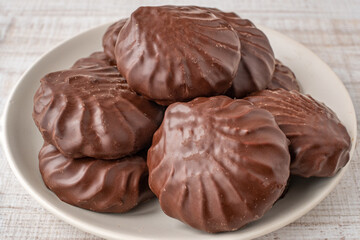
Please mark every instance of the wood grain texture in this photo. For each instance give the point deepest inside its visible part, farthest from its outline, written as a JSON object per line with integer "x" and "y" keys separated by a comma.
{"x": 330, "y": 28}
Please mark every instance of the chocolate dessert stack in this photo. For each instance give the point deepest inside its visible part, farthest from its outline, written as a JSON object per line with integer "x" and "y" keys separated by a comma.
{"x": 188, "y": 104}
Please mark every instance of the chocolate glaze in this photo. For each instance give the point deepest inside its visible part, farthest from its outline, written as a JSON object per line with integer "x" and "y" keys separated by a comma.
{"x": 92, "y": 112}
{"x": 320, "y": 144}
{"x": 94, "y": 61}
{"x": 257, "y": 57}
{"x": 110, "y": 37}
{"x": 218, "y": 163}
{"x": 170, "y": 53}
{"x": 284, "y": 78}
{"x": 94, "y": 184}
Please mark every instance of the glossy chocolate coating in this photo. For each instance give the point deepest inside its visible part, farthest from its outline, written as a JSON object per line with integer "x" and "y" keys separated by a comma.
{"x": 284, "y": 78}
{"x": 257, "y": 62}
{"x": 170, "y": 54}
{"x": 218, "y": 163}
{"x": 94, "y": 61}
{"x": 320, "y": 144}
{"x": 92, "y": 112}
{"x": 94, "y": 184}
{"x": 110, "y": 37}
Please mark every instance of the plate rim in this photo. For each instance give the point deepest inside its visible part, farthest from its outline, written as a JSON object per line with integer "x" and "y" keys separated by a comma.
{"x": 98, "y": 231}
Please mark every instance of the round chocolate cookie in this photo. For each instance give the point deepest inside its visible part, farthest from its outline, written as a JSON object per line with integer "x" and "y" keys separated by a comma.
{"x": 94, "y": 184}
{"x": 94, "y": 61}
{"x": 257, "y": 62}
{"x": 284, "y": 78}
{"x": 92, "y": 112}
{"x": 218, "y": 163}
{"x": 110, "y": 37}
{"x": 170, "y": 54}
{"x": 320, "y": 144}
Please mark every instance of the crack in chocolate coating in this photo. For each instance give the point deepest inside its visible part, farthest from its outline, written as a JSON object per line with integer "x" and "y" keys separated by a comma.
{"x": 110, "y": 37}
{"x": 257, "y": 62}
{"x": 320, "y": 144}
{"x": 91, "y": 111}
{"x": 218, "y": 163}
{"x": 283, "y": 78}
{"x": 170, "y": 54}
{"x": 94, "y": 184}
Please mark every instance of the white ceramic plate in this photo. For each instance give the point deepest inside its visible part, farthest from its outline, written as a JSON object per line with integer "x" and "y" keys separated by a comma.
{"x": 22, "y": 141}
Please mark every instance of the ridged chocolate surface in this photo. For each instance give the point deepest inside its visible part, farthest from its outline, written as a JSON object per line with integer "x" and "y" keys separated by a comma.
{"x": 170, "y": 53}
{"x": 110, "y": 37}
{"x": 94, "y": 61}
{"x": 284, "y": 78}
{"x": 218, "y": 163}
{"x": 92, "y": 112}
{"x": 257, "y": 62}
{"x": 95, "y": 184}
{"x": 320, "y": 144}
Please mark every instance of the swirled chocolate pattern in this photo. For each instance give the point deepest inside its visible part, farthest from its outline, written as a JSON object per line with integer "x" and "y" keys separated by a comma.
{"x": 94, "y": 184}
{"x": 284, "y": 78}
{"x": 170, "y": 53}
{"x": 94, "y": 61}
{"x": 320, "y": 144}
{"x": 91, "y": 111}
{"x": 257, "y": 62}
{"x": 218, "y": 163}
{"x": 110, "y": 37}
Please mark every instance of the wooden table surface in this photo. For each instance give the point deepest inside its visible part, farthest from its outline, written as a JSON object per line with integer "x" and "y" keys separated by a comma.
{"x": 329, "y": 28}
